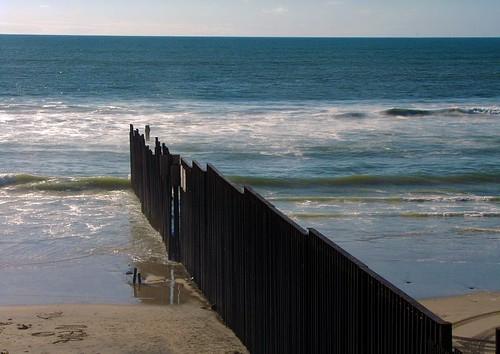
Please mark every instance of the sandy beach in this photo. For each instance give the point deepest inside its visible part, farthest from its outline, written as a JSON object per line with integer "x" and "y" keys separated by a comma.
{"x": 114, "y": 329}
{"x": 192, "y": 327}
{"x": 474, "y": 317}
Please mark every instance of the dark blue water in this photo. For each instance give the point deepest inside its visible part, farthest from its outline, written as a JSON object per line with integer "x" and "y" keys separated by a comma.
{"x": 391, "y": 147}
{"x": 256, "y": 69}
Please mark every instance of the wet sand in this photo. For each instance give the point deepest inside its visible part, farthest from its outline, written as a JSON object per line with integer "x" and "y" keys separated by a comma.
{"x": 169, "y": 316}
{"x": 474, "y": 317}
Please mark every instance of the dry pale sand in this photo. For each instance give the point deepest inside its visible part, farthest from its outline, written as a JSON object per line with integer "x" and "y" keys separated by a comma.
{"x": 474, "y": 317}
{"x": 114, "y": 329}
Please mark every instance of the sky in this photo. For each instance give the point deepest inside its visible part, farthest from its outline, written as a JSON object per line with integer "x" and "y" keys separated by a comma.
{"x": 330, "y": 18}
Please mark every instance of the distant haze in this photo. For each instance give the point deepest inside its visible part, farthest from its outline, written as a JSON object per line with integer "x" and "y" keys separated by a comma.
{"x": 252, "y": 17}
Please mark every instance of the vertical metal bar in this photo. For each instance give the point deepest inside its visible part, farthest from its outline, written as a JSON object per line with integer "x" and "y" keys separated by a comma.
{"x": 497, "y": 340}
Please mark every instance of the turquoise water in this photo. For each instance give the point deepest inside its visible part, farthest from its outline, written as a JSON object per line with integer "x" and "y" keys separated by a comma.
{"x": 391, "y": 147}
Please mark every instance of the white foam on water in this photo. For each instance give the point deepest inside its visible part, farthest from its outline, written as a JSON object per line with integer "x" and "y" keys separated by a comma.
{"x": 273, "y": 129}
{"x": 50, "y": 227}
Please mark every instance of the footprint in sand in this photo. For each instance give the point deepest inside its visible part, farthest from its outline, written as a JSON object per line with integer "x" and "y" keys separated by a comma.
{"x": 50, "y": 315}
{"x": 22, "y": 326}
{"x": 71, "y": 327}
{"x": 43, "y": 334}
{"x": 69, "y": 333}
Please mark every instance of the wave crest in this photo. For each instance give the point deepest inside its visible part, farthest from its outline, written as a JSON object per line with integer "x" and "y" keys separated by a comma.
{"x": 366, "y": 180}
{"x": 41, "y": 183}
{"x": 445, "y": 214}
{"x": 21, "y": 178}
{"x": 395, "y": 199}
{"x": 415, "y": 112}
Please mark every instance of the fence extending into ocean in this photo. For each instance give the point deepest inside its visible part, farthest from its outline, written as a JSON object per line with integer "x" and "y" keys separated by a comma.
{"x": 279, "y": 287}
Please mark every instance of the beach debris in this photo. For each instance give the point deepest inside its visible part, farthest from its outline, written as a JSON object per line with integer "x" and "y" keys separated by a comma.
{"x": 50, "y": 315}
{"x": 23, "y": 327}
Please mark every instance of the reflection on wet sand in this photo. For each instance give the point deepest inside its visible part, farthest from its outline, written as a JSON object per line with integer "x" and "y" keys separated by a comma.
{"x": 162, "y": 284}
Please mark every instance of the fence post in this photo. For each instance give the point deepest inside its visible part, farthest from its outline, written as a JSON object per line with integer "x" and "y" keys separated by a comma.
{"x": 447, "y": 337}
{"x": 173, "y": 244}
{"x": 132, "y": 161}
{"x": 497, "y": 340}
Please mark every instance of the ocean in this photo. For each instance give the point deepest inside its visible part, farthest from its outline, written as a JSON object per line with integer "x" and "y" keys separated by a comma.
{"x": 390, "y": 147}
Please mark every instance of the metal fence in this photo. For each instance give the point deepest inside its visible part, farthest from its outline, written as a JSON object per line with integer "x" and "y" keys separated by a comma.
{"x": 279, "y": 287}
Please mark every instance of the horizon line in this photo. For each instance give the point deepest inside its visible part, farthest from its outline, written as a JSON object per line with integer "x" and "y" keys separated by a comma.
{"x": 254, "y": 36}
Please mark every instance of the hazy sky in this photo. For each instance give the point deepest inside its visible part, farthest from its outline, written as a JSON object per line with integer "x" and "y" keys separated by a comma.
{"x": 253, "y": 17}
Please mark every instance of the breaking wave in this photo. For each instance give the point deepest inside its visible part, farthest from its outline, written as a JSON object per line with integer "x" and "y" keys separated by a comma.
{"x": 42, "y": 183}
{"x": 480, "y": 230}
{"x": 22, "y": 178}
{"x": 411, "y": 112}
